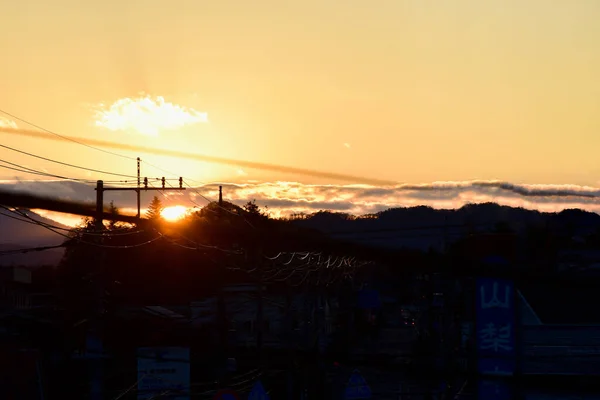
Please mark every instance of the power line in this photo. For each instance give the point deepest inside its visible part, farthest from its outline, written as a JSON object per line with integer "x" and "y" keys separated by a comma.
{"x": 99, "y": 149}
{"x": 81, "y": 240}
{"x": 219, "y": 205}
{"x": 68, "y": 164}
{"x": 27, "y": 170}
{"x": 198, "y": 246}
{"x": 65, "y": 137}
{"x": 28, "y": 200}
{"x": 33, "y": 221}
{"x": 95, "y": 144}
{"x": 109, "y": 234}
{"x": 33, "y": 171}
{"x": 185, "y": 182}
{"x": 210, "y": 201}
{"x": 29, "y": 250}
{"x": 249, "y": 164}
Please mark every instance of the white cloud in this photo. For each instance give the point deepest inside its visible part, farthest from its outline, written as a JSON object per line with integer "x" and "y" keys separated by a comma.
{"x": 7, "y": 123}
{"x": 146, "y": 115}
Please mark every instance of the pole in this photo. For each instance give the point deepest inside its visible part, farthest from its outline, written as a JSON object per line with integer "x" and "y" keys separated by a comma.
{"x": 222, "y": 315}
{"x": 290, "y": 341}
{"x": 519, "y": 350}
{"x": 97, "y": 384}
{"x": 99, "y": 205}
{"x": 259, "y": 309}
{"x": 38, "y": 368}
{"x": 138, "y": 188}
{"x": 220, "y": 210}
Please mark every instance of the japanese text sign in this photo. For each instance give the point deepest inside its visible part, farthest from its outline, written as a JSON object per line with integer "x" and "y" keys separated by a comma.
{"x": 495, "y": 323}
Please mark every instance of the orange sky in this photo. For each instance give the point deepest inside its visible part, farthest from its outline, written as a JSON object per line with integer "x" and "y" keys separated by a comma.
{"x": 410, "y": 91}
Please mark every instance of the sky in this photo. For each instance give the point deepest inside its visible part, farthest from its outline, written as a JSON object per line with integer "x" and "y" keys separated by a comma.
{"x": 413, "y": 91}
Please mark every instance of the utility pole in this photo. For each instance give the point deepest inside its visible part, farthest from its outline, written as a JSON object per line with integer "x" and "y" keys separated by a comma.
{"x": 260, "y": 323}
{"x": 97, "y": 384}
{"x": 138, "y": 188}
{"x": 99, "y": 205}
{"x": 222, "y": 317}
{"x": 220, "y": 210}
{"x": 97, "y": 367}
{"x": 222, "y": 323}
{"x": 259, "y": 306}
{"x": 290, "y": 341}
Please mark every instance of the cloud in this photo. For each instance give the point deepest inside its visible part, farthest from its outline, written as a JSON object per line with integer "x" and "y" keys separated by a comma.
{"x": 7, "y": 123}
{"x": 146, "y": 115}
{"x": 284, "y": 198}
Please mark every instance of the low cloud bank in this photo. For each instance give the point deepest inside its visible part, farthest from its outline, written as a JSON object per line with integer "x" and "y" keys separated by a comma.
{"x": 285, "y": 198}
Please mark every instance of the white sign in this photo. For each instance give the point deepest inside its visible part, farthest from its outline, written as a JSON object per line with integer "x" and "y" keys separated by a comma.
{"x": 493, "y": 300}
{"x": 496, "y": 337}
{"x": 164, "y": 370}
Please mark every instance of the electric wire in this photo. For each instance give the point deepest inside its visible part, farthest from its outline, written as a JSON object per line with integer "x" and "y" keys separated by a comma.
{"x": 33, "y": 221}
{"x": 27, "y": 170}
{"x": 115, "y": 154}
{"x": 30, "y": 249}
{"x": 65, "y": 137}
{"x": 67, "y": 164}
{"x": 197, "y": 245}
{"x": 76, "y": 238}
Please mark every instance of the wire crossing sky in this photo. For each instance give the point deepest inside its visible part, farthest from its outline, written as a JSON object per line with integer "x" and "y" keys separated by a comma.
{"x": 200, "y": 157}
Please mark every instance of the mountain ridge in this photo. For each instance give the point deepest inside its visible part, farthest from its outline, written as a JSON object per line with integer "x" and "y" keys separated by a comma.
{"x": 17, "y": 234}
{"x": 423, "y": 227}
{"x": 420, "y": 228}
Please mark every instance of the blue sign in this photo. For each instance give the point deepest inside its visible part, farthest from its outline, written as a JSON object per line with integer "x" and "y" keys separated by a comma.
{"x": 258, "y": 392}
{"x": 357, "y": 388}
{"x": 495, "y": 323}
{"x": 493, "y": 390}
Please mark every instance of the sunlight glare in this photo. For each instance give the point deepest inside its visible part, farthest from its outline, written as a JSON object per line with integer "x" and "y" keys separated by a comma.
{"x": 174, "y": 213}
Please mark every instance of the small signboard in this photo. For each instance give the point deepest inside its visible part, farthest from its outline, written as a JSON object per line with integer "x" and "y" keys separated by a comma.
{"x": 164, "y": 370}
{"x": 258, "y": 392}
{"x": 495, "y": 323}
{"x": 357, "y": 388}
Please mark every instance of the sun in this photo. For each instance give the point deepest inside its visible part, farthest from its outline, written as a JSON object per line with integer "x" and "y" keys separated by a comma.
{"x": 174, "y": 213}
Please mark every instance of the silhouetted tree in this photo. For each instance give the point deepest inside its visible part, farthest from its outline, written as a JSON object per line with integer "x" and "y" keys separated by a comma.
{"x": 253, "y": 209}
{"x": 154, "y": 209}
{"x": 112, "y": 224}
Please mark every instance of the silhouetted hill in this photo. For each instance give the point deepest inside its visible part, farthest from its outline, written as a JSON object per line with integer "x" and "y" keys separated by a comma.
{"x": 15, "y": 235}
{"x": 424, "y": 227}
